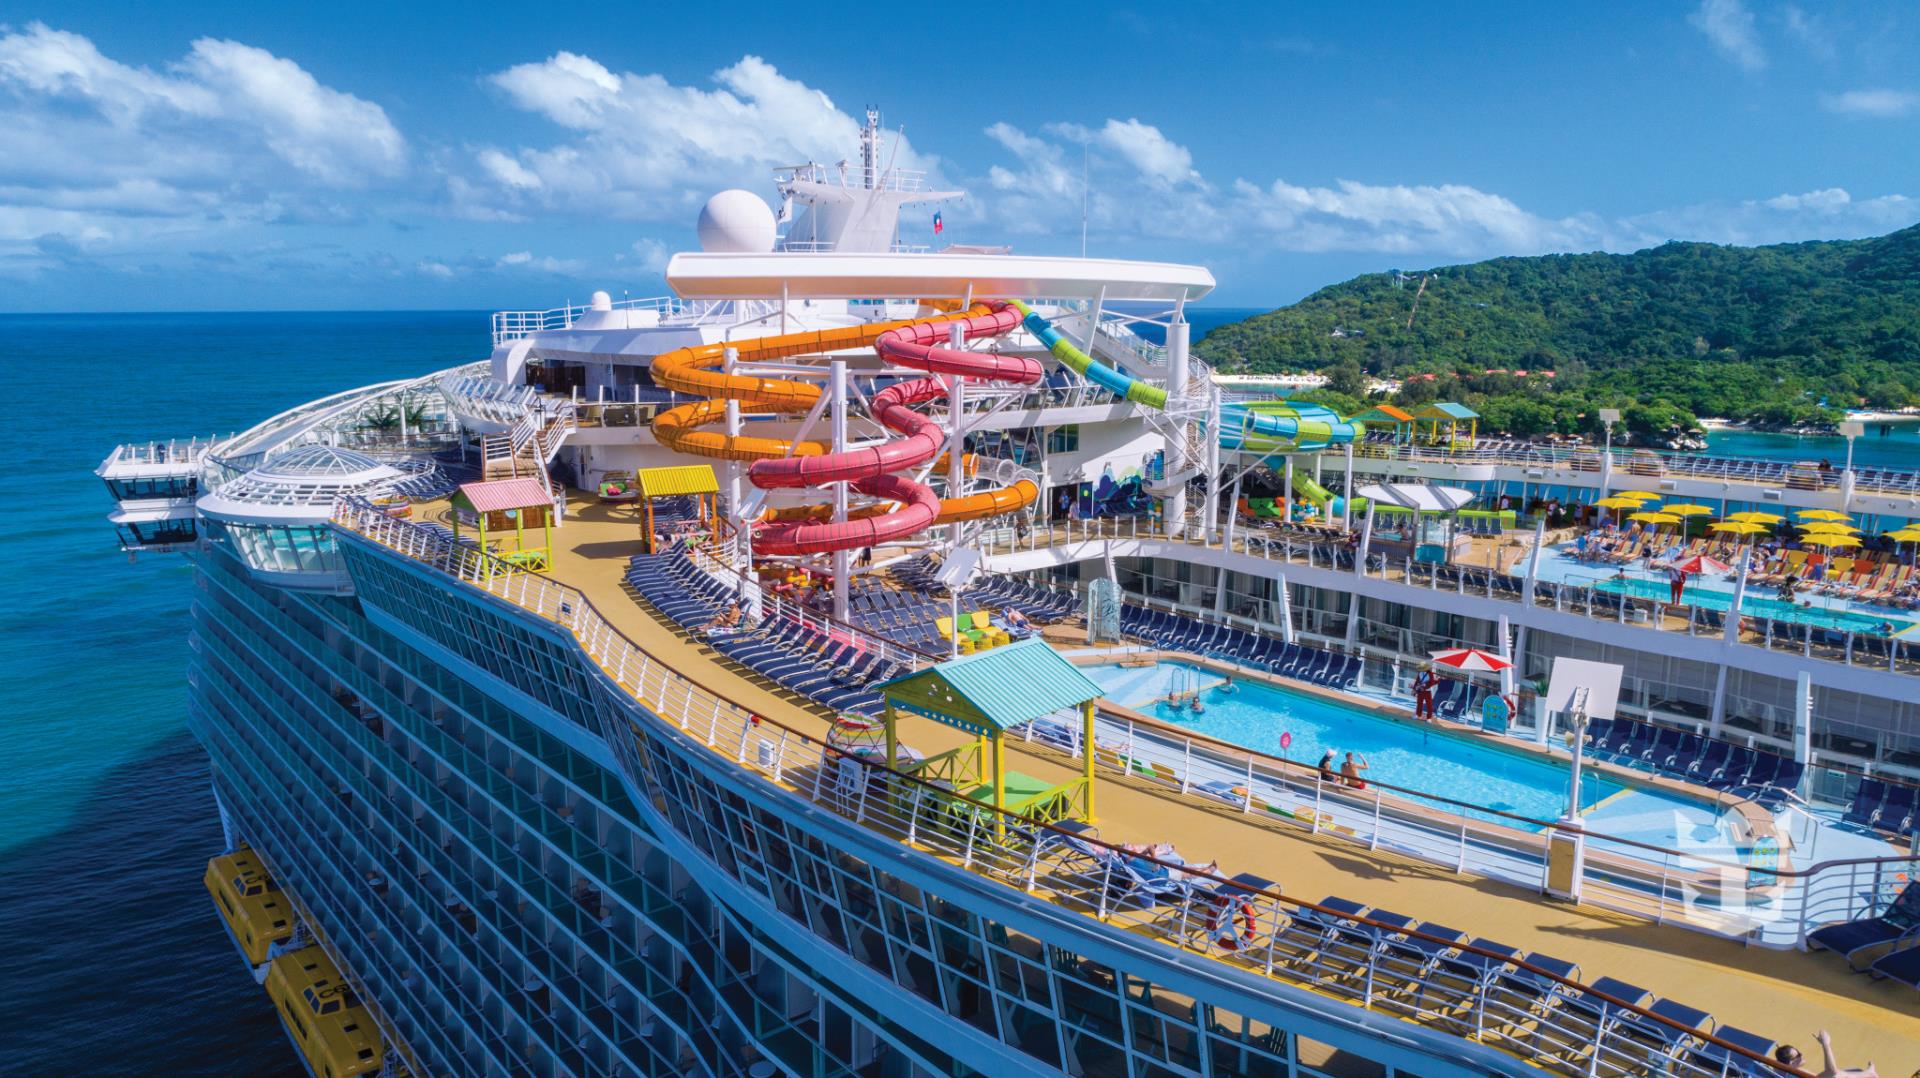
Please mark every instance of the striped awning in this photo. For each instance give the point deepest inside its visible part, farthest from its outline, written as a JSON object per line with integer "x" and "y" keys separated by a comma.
{"x": 679, "y": 479}
{"x": 499, "y": 495}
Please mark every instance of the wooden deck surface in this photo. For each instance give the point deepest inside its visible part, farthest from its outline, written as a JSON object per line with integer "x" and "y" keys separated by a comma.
{"x": 1780, "y": 993}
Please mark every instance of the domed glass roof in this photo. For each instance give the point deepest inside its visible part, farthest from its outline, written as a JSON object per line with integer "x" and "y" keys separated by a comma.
{"x": 299, "y": 485}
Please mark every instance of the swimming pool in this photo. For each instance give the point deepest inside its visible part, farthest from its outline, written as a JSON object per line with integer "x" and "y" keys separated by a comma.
{"x": 1257, "y": 716}
{"x": 1824, "y": 617}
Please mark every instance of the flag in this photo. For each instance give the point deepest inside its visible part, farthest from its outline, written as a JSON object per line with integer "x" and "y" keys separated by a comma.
{"x": 937, "y": 225}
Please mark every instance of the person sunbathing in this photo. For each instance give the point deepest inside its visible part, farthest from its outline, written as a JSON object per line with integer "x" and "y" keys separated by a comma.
{"x": 1830, "y": 1068}
{"x": 727, "y": 621}
{"x": 1016, "y": 620}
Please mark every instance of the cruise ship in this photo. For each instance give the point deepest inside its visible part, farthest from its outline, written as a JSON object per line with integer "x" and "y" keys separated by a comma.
{"x": 870, "y": 660}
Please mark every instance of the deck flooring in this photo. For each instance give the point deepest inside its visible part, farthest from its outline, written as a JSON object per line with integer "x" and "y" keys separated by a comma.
{"x": 1784, "y": 994}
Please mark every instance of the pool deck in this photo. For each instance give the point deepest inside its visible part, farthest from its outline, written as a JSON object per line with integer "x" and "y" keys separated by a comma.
{"x": 1782, "y": 993}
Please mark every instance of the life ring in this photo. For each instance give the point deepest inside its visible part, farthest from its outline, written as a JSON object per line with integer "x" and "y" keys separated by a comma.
{"x": 1221, "y": 926}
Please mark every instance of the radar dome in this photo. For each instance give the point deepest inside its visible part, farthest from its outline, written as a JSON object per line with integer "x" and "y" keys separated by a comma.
{"x": 736, "y": 222}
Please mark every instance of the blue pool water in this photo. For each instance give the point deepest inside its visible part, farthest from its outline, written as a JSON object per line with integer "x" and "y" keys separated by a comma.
{"x": 1405, "y": 754}
{"x": 1824, "y": 617}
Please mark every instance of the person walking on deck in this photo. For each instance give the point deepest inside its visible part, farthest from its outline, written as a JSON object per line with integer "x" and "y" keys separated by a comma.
{"x": 1424, "y": 684}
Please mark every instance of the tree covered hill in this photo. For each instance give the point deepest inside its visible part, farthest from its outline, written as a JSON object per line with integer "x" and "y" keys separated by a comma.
{"x": 1781, "y": 334}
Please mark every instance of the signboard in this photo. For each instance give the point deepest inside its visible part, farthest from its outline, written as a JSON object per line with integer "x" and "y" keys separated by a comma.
{"x": 1494, "y": 714}
{"x": 1601, "y": 682}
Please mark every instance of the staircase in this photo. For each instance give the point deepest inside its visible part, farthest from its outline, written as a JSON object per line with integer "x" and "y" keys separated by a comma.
{"x": 526, "y": 449}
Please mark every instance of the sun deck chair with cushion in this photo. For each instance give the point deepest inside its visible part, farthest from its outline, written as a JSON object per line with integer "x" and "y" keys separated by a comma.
{"x": 1234, "y": 914}
{"x": 1664, "y": 1042}
{"x": 1331, "y": 932}
{"x": 1900, "y": 923}
{"x": 1901, "y": 965}
{"x": 1714, "y": 1060}
{"x": 981, "y": 622}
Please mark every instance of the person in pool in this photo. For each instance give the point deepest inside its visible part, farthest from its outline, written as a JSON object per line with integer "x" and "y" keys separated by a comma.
{"x": 1227, "y": 685}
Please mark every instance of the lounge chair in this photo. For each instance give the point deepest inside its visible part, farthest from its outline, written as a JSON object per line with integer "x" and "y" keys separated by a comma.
{"x": 1902, "y": 966}
{"x": 1714, "y": 1060}
{"x": 1899, "y": 924}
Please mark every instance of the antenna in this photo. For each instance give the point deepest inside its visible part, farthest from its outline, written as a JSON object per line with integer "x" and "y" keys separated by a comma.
{"x": 1085, "y": 155}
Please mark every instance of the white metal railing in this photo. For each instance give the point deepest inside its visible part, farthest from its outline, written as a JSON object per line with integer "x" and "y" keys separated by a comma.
{"x": 1368, "y": 958}
{"x": 857, "y": 177}
{"x": 671, "y": 310}
{"x": 1846, "y": 646}
{"x": 147, "y": 456}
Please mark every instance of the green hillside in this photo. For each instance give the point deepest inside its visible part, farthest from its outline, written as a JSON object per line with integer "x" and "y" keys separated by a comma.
{"x": 1763, "y": 334}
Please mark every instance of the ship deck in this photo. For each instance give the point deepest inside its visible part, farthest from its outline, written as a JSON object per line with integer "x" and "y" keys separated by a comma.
{"x": 1782, "y": 993}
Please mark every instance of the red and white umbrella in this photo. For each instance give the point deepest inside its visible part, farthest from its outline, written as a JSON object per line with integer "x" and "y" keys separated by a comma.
{"x": 1470, "y": 659}
{"x": 1700, "y": 563}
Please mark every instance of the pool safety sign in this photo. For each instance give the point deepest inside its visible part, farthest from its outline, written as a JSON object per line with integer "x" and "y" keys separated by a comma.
{"x": 1495, "y": 714}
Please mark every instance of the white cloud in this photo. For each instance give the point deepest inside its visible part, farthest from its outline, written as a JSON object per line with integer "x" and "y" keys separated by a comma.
{"x": 651, "y": 255}
{"x": 116, "y": 157}
{"x": 1829, "y": 213}
{"x": 640, "y": 147}
{"x": 1876, "y": 103}
{"x": 1143, "y": 185}
{"x": 434, "y": 269}
{"x": 1730, "y": 28}
{"x": 1810, "y": 32}
{"x": 527, "y": 261}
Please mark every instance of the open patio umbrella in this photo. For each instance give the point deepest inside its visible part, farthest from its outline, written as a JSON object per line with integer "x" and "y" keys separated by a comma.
{"x": 1700, "y": 563}
{"x": 1643, "y": 495}
{"x": 1829, "y": 527}
{"x": 1653, "y": 518}
{"x": 1754, "y": 516}
{"x": 1908, "y": 534}
{"x": 1823, "y": 514}
{"x": 1737, "y": 527}
{"x": 1470, "y": 659}
{"x": 1688, "y": 509}
{"x": 1829, "y": 539}
{"x": 1620, "y": 501}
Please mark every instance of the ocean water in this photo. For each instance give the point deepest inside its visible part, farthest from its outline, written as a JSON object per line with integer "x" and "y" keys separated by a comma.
{"x": 113, "y": 960}
{"x": 1898, "y": 448}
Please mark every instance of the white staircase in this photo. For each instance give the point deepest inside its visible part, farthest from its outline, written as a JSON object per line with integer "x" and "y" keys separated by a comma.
{"x": 530, "y": 445}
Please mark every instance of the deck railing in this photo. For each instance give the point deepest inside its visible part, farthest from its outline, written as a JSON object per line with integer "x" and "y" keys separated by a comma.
{"x": 1846, "y": 646}
{"x": 1556, "y": 1020}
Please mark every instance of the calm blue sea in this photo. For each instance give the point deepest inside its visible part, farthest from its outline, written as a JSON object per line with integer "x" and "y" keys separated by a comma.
{"x": 112, "y": 960}
{"x": 1899, "y": 447}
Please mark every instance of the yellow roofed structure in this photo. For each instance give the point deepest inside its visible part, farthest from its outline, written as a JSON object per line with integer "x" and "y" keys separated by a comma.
{"x": 675, "y": 481}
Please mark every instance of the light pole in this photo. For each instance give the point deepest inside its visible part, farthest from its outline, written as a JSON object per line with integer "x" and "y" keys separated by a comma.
{"x": 1608, "y": 417}
{"x": 1849, "y": 429}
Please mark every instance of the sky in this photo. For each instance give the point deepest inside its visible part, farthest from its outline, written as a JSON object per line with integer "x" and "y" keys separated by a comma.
{"x": 247, "y": 156}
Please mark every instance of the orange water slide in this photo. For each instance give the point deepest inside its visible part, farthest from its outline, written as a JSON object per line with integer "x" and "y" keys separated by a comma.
{"x": 695, "y": 370}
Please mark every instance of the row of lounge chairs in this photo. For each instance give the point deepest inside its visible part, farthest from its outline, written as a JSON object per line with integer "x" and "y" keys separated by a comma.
{"x": 1338, "y": 944}
{"x": 1766, "y": 777}
{"x": 827, "y": 669}
{"x": 1032, "y": 601}
{"x": 906, "y": 617}
{"x": 1879, "y": 805}
{"x": 1862, "y": 579}
{"x": 1177, "y": 633}
{"x": 1889, "y": 942}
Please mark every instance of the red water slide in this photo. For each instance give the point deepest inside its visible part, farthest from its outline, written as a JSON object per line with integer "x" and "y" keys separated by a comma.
{"x": 870, "y": 468}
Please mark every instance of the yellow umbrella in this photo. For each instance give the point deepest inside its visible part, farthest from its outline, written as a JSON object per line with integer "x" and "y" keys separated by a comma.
{"x": 1639, "y": 495}
{"x": 1688, "y": 509}
{"x": 1822, "y": 514}
{"x": 1737, "y": 527}
{"x": 1754, "y": 517}
{"x": 1830, "y": 540}
{"x": 1653, "y": 518}
{"x": 1829, "y": 527}
{"x": 1908, "y": 534}
{"x": 1617, "y": 502}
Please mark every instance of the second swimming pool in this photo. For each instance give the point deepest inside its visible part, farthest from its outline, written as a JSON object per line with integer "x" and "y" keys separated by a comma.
{"x": 1261, "y": 717}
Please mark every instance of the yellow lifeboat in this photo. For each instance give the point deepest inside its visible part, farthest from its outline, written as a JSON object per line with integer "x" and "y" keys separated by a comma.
{"x": 333, "y": 1031}
{"x": 250, "y": 902}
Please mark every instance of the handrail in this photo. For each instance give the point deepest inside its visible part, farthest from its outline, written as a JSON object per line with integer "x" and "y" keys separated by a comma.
{"x": 982, "y": 854}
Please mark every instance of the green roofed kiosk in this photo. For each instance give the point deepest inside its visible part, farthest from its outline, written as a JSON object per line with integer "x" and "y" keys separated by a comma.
{"x": 987, "y": 694}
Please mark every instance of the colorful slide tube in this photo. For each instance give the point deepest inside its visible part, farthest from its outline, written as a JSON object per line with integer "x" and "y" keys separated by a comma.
{"x": 1273, "y": 426}
{"x": 1331, "y": 505}
{"x": 777, "y": 464}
